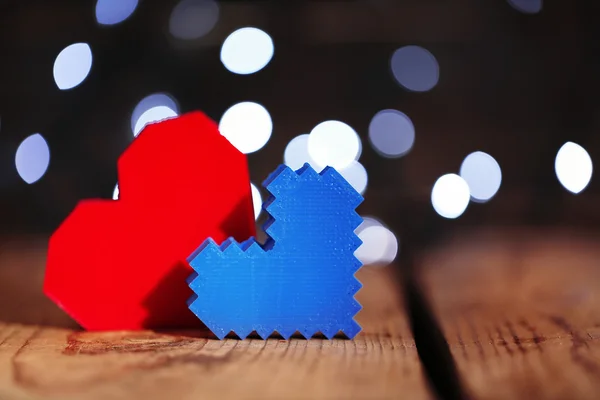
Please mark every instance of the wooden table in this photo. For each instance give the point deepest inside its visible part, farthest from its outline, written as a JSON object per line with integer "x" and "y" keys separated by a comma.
{"x": 520, "y": 311}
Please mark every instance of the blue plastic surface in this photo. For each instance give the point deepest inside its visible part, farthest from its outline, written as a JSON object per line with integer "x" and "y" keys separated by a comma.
{"x": 301, "y": 279}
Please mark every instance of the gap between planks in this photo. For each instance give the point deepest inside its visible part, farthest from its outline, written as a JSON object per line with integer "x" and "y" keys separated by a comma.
{"x": 520, "y": 310}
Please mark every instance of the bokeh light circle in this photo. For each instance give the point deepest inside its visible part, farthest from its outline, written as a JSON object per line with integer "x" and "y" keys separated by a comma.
{"x": 112, "y": 12}
{"x": 526, "y": 6}
{"x": 573, "y": 167}
{"x": 415, "y": 68}
{"x": 380, "y": 245}
{"x": 356, "y": 175}
{"x": 152, "y": 108}
{"x": 334, "y": 143}
{"x": 32, "y": 158}
{"x": 247, "y": 125}
{"x": 450, "y": 196}
{"x": 391, "y": 133}
{"x": 483, "y": 175}
{"x": 256, "y": 200}
{"x": 247, "y": 50}
{"x": 72, "y": 65}
{"x": 368, "y": 221}
{"x": 296, "y": 152}
{"x": 153, "y": 115}
{"x": 192, "y": 19}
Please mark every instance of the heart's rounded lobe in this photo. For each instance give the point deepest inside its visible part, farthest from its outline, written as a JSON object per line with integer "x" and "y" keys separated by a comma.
{"x": 122, "y": 264}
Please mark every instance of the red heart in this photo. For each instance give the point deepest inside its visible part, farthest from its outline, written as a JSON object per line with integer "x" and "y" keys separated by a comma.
{"x": 121, "y": 264}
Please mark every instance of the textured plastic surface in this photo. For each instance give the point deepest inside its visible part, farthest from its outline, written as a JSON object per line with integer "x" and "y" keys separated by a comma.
{"x": 301, "y": 279}
{"x": 122, "y": 264}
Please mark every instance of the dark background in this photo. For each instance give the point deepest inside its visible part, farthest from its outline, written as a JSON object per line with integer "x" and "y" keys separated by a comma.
{"x": 514, "y": 85}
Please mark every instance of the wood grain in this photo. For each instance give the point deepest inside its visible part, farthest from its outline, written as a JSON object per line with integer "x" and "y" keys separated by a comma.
{"x": 22, "y": 264}
{"x": 60, "y": 364}
{"x": 521, "y": 312}
{"x": 43, "y": 362}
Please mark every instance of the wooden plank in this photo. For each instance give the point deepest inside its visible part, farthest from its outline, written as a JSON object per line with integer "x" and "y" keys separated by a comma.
{"x": 58, "y": 363}
{"x": 521, "y": 312}
{"x": 22, "y": 264}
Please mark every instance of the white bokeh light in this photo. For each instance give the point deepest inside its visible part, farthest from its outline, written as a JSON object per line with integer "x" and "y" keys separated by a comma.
{"x": 247, "y": 50}
{"x": 32, "y": 158}
{"x": 380, "y": 245}
{"x": 256, "y": 200}
{"x": 526, "y": 6}
{"x": 391, "y": 133}
{"x": 296, "y": 154}
{"x": 111, "y": 12}
{"x": 152, "y": 108}
{"x": 192, "y": 19}
{"x": 356, "y": 175}
{"x": 247, "y": 126}
{"x": 72, "y": 65}
{"x": 415, "y": 68}
{"x": 483, "y": 175}
{"x": 116, "y": 192}
{"x": 450, "y": 196}
{"x": 334, "y": 144}
{"x": 155, "y": 114}
{"x": 573, "y": 167}
{"x": 368, "y": 221}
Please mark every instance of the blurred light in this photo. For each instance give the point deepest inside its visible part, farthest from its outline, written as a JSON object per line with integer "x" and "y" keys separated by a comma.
{"x": 155, "y": 114}
{"x": 450, "y": 196}
{"x": 391, "y": 133}
{"x": 334, "y": 144}
{"x": 246, "y": 51}
{"x": 192, "y": 19}
{"x": 247, "y": 126}
{"x": 526, "y": 6}
{"x": 367, "y": 221}
{"x": 111, "y": 12}
{"x": 296, "y": 154}
{"x": 116, "y": 192}
{"x": 32, "y": 158}
{"x": 415, "y": 68}
{"x": 72, "y": 65}
{"x": 256, "y": 200}
{"x": 356, "y": 175}
{"x": 573, "y": 166}
{"x": 483, "y": 175}
{"x": 152, "y": 108}
{"x": 379, "y": 246}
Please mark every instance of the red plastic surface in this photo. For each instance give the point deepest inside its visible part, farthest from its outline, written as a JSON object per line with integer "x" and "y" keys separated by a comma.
{"x": 122, "y": 264}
